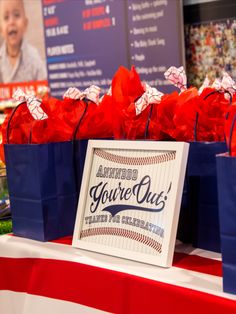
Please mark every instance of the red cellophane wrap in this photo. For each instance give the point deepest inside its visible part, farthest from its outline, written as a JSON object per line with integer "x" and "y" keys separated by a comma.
{"x": 135, "y": 126}
{"x": 165, "y": 114}
{"x": 126, "y": 89}
{"x": 212, "y": 108}
{"x": 94, "y": 120}
{"x": 97, "y": 121}
{"x": 19, "y": 128}
{"x": 177, "y": 114}
{"x": 67, "y": 110}
{"x": 144, "y": 125}
{"x": 185, "y": 115}
{"x": 231, "y": 114}
{"x": 63, "y": 116}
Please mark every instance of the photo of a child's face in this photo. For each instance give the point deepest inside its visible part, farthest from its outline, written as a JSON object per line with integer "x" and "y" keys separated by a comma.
{"x": 22, "y": 46}
{"x": 13, "y": 22}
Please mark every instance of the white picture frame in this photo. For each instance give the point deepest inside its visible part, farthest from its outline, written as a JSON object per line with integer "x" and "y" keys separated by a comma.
{"x": 130, "y": 199}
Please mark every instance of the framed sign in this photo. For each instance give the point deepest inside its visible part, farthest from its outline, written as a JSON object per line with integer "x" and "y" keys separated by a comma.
{"x": 130, "y": 199}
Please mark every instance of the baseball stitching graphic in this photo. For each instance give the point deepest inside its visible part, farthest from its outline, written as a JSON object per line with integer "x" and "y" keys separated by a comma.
{"x": 122, "y": 233}
{"x": 136, "y": 160}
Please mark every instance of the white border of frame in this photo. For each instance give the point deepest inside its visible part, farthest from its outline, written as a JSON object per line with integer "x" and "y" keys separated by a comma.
{"x": 172, "y": 214}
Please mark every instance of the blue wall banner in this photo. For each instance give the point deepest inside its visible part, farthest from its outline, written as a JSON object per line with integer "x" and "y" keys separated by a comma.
{"x": 87, "y": 40}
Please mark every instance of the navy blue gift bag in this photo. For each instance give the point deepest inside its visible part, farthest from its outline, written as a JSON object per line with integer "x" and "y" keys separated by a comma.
{"x": 42, "y": 189}
{"x": 226, "y": 175}
{"x": 226, "y": 172}
{"x": 44, "y": 182}
{"x": 184, "y": 231}
{"x": 199, "y": 213}
{"x": 202, "y": 194}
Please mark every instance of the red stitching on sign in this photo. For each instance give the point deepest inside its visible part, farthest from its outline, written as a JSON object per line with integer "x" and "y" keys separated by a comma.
{"x": 135, "y": 160}
{"x": 122, "y": 233}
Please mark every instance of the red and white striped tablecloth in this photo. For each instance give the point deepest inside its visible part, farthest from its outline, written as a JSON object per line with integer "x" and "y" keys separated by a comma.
{"x": 53, "y": 277}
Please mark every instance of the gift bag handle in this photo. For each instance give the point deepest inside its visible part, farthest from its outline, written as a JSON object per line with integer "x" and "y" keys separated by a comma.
{"x": 197, "y": 113}
{"x": 80, "y": 120}
{"x": 74, "y": 139}
{"x": 30, "y": 135}
{"x": 9, "y": 121}
{"x": 148, "y": 122}
{"x": 231, "y": 135}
